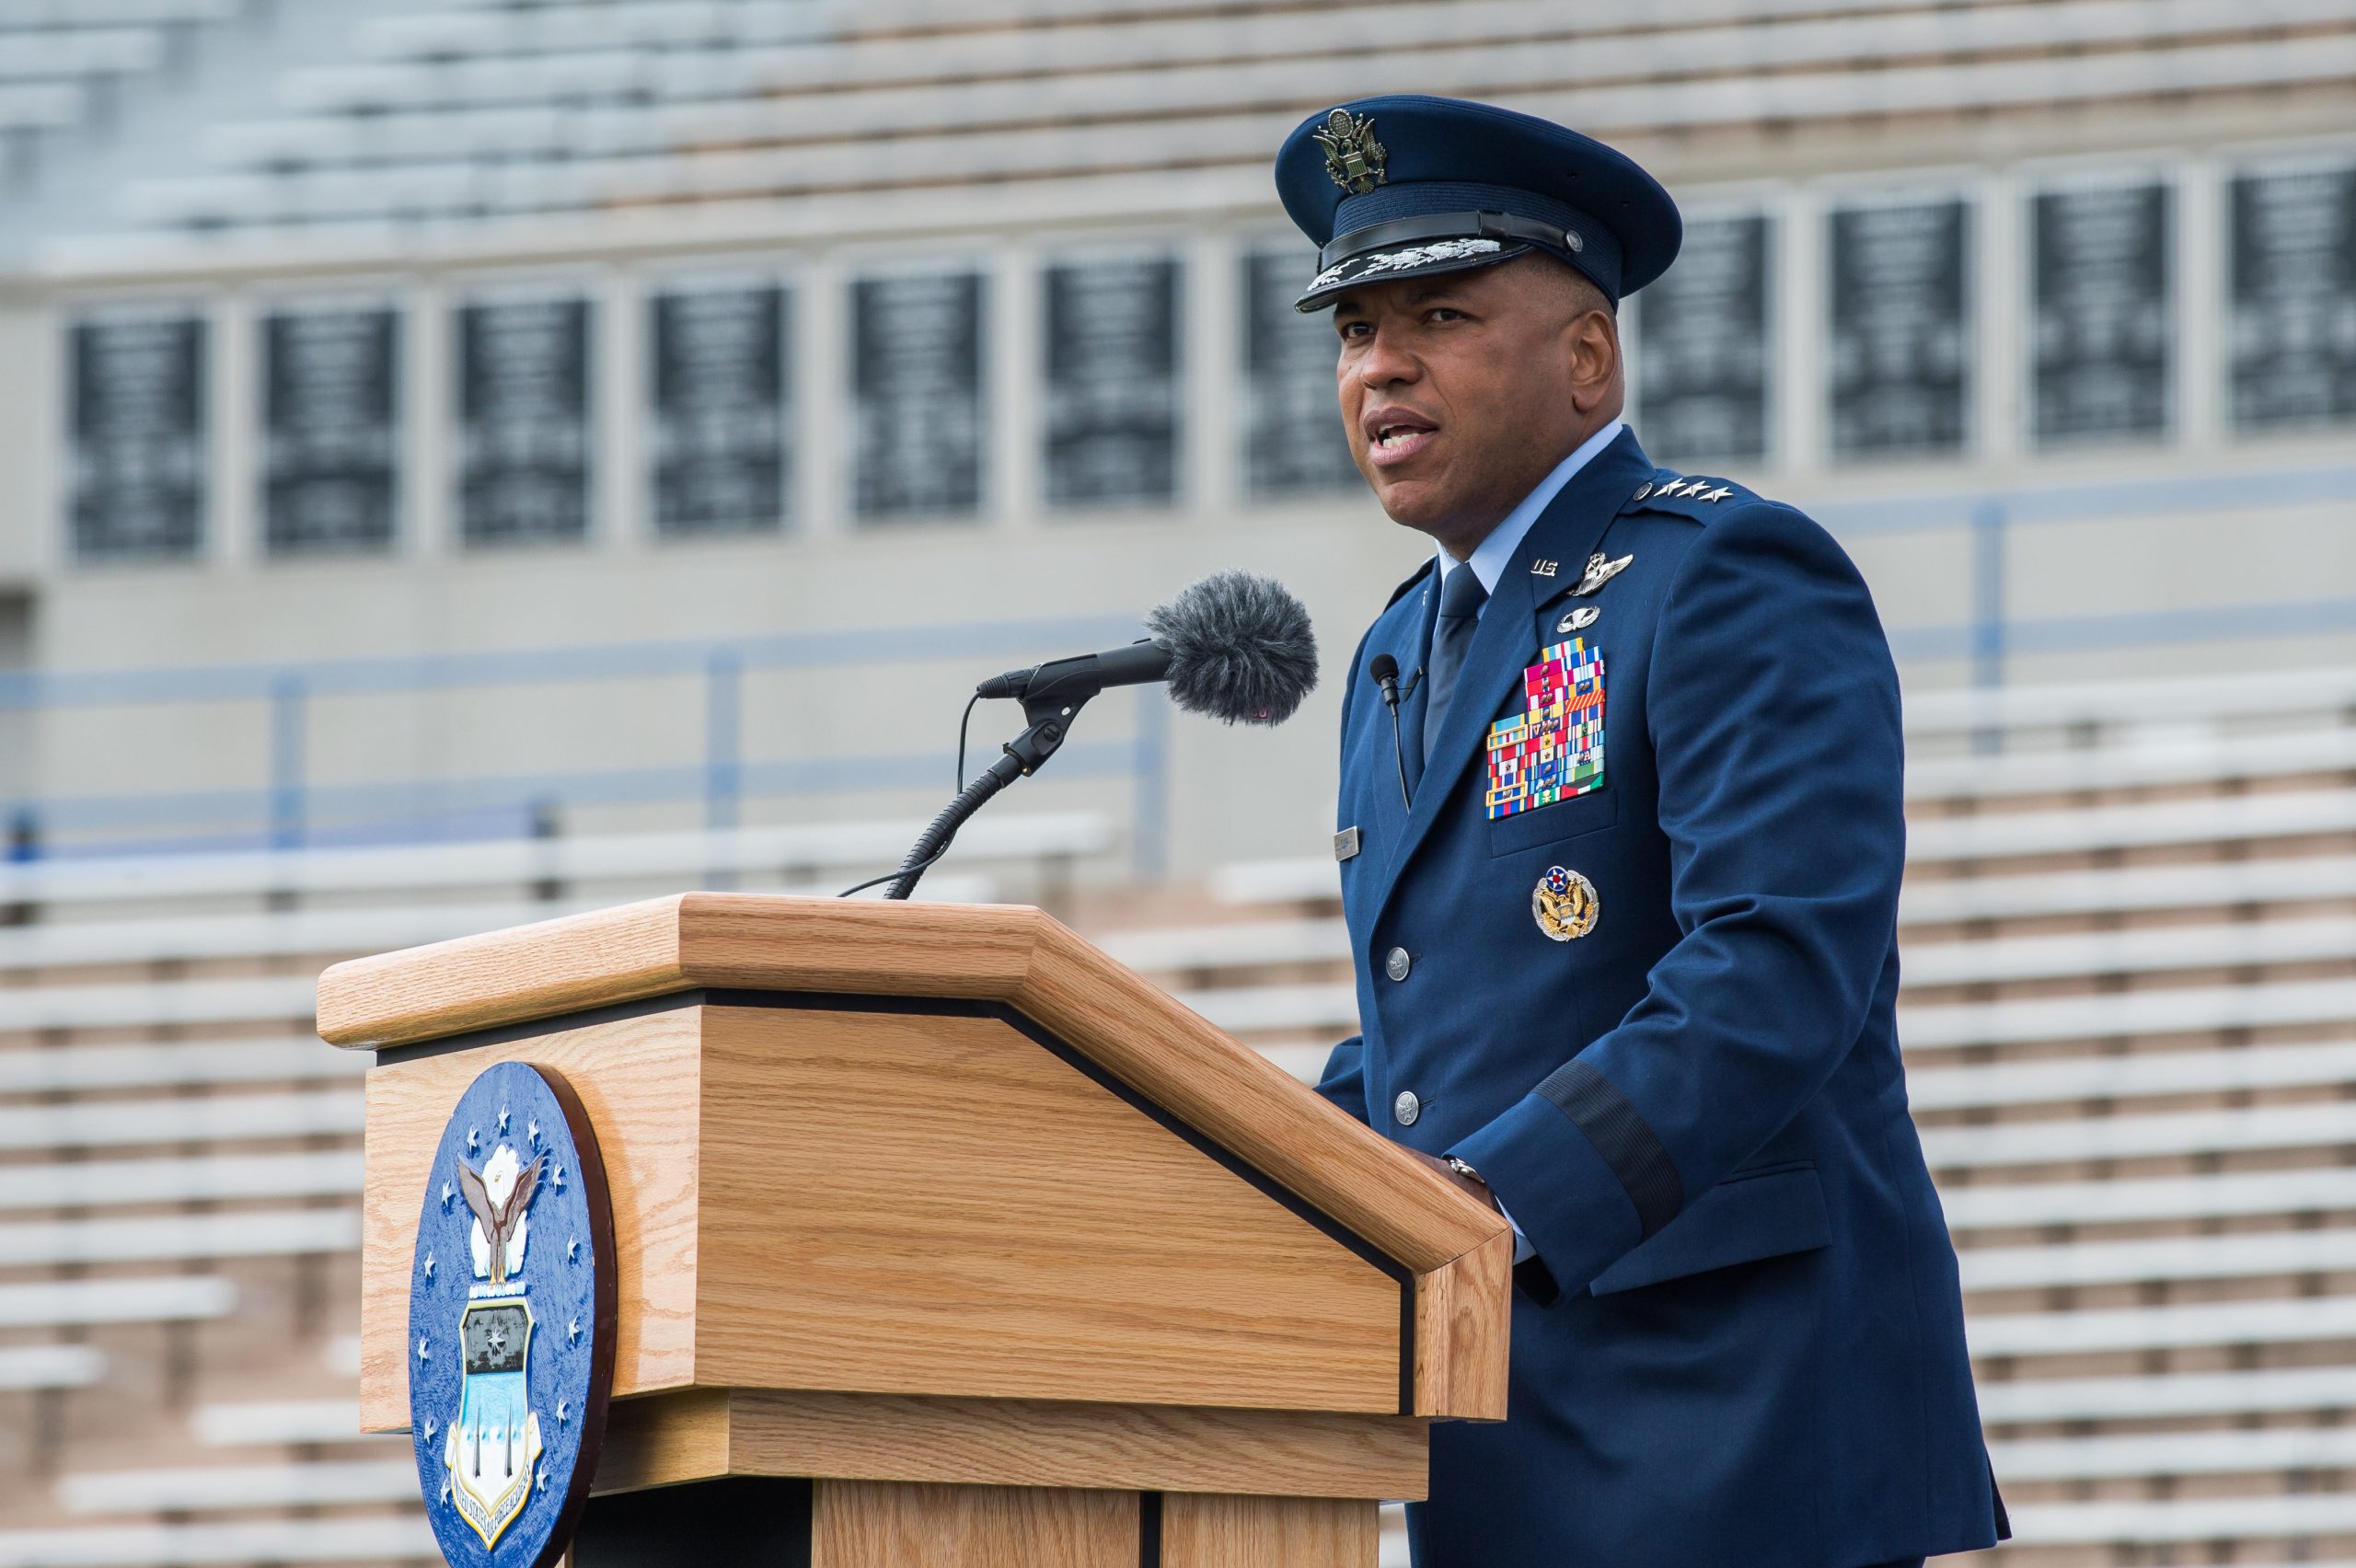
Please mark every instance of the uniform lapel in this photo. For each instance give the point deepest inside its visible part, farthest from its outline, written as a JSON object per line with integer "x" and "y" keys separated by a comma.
{"x": 1399, "y": 634}
{"x": 1564, "y": 532}
{"x": 1413, "y": 654}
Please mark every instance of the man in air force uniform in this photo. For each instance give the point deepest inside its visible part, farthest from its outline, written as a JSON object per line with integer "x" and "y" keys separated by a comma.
{"x": 1621, "y": 869}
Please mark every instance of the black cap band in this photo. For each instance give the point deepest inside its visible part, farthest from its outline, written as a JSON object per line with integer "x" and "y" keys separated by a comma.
{"x": 1448, "y": 226}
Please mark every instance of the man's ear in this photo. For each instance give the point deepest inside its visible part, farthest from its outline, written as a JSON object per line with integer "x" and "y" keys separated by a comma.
{"x": 1595, "y": 359}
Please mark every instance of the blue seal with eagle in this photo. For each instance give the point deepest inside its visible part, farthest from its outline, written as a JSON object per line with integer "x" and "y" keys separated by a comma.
{"x": 512, "y": 1317}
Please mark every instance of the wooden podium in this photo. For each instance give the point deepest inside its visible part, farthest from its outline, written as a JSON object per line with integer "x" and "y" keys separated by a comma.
{"x": 943, "y": 1240}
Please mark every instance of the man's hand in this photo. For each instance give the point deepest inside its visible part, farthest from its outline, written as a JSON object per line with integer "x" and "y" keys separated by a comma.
{"x": 1478, "y": 1189}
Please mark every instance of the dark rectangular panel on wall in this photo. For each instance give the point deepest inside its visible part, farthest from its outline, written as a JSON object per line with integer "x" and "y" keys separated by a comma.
{"x": 2294, "y": 285}
{"x": 917, "y": 384}
{"x": 721, "y": 393}
{"x": 1293, "y": 440}
{"x": 523, "y": 415}
{"x": 1701, "y": 349}
{"x": 1900, "y": 315}
{"x": 137, "y": 403}
{"x": 2099, "y": 272}
{"x": 1112, "y": 364}
{"x": 330, "y": 447}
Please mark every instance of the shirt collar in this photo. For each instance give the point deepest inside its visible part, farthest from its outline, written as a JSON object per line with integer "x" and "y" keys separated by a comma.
{"x": 1489, "y": 557}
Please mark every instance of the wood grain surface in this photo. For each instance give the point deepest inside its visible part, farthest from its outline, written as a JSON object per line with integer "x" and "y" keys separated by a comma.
{"x": 1463, "y": 1313}
{"x": 1159, "y": 1049}
{"x": 872, "y": 1523}
{"x": 704, "y": 1434}
{"x": 1268, "y": 1532}
{"x": 899, "y": 1203}
{"x": 663, "y": 1439}
{"x": 638, "y": 1079}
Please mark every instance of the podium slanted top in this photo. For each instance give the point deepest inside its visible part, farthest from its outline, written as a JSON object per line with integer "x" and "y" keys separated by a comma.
{"x": 544, "y": 989}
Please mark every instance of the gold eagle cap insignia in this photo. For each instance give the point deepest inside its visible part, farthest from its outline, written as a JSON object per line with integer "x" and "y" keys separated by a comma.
{"x": 1353, "y": 157}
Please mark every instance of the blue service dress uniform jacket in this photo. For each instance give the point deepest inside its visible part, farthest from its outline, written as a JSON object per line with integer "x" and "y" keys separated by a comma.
{"x": 1753, "y": 1356}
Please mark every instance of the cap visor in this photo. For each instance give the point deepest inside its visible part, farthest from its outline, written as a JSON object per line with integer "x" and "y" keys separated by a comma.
{"x": 1422, "y": 259}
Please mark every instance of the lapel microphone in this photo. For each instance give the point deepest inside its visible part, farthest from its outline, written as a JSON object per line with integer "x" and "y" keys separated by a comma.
{"x": 1385, "y": 671}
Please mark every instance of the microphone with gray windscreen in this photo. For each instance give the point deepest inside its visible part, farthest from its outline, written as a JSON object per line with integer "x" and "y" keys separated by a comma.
{"x": 1236, "y": 647}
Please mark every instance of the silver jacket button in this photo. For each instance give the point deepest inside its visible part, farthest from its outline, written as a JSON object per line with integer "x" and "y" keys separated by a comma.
{"x": 1406, "y": 1108}
{"x": 1397, "y": 963}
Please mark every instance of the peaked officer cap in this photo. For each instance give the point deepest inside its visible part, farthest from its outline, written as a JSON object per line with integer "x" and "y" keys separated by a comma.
{"x": 1404, "y": 185}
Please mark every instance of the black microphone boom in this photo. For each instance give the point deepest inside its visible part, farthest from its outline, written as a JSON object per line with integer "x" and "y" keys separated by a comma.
{"x": 1141, "y": 663}
{"x": 1234, "y": 646}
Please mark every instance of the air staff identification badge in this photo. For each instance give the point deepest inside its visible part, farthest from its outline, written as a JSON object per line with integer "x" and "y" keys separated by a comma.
{"x": 512, "y": 1317}
{"x": 1565, "y": 904}
{"x": 1553, "y": 750}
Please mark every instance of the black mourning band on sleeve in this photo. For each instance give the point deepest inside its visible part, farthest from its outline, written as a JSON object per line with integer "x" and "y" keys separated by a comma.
{"x": 1623, "y": 1136}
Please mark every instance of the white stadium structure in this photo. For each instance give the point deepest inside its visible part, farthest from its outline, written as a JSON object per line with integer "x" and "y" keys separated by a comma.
{"x": 462, "y": 462}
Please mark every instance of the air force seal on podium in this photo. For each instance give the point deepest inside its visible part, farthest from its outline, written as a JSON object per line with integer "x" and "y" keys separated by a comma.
{"x": 511, "y": 1319}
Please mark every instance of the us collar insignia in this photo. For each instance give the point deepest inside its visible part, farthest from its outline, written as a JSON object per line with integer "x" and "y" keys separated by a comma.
{"x": 1601, "y": 572}
{"x": 1354, "y": 159}
{"x": 1565, "y": 904}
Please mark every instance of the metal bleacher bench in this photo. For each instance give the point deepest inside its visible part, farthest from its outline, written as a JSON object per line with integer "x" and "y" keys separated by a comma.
{"x": 24, "y": 1366}
{"x": 196, "y": 1489}
{"x": 100, "y": 1184}
{"x": 2112, "y": 1015}
{"x": 249, "y": 1423}
{"x": 2321, "y": 1124}
{"x": 2258, "y": 1253}
{"x": 2222, "y": 884}
{"x": 843, "y": 849}
{"x": 2088, "y": 1330}
{"x": 2267, "y": 1515}
{"x": 2019, "y": 1205}
{"x": 2142, "y": 825}
{"x": 273, "y": 1541}
{"x": 2087, "y": 710}
{"x": 180, "y": 1238}
{"x": 52, "y": 1304}
{"x": 173, "y": 1064}
{"x": 2219, "y": 885}
{"x": 1263, "y": 943}
{"x": 92, "y": 1124}
{"x": 2142, "y": 1074}
{"x": 2047, "y": 1400}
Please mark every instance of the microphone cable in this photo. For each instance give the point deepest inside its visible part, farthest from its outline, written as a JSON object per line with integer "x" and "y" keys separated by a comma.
{"x": 964, "y": 725}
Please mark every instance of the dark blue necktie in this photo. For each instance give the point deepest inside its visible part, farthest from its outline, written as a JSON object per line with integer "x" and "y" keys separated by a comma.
{"x": 1461, "y": 598}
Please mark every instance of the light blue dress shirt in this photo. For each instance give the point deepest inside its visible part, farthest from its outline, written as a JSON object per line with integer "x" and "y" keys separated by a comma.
{"x": 1488, "y": 563}
{"x": 1489, "y": 556}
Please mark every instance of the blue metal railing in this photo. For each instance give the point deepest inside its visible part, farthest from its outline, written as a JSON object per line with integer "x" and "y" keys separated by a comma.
{"x": 290, "y": 808}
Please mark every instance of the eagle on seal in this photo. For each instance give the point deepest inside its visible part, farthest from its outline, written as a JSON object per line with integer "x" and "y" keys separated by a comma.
{"x": 498, "y": 1219}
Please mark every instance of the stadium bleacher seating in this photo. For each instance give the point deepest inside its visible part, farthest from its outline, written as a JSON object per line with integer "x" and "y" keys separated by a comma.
{"x": 61, "y": 60}
{"x": 2129, "y": 958}
{"x": 478, "y": 112}
{"x": 180, "y": 1163}
{"x": 2130, "y": 1009}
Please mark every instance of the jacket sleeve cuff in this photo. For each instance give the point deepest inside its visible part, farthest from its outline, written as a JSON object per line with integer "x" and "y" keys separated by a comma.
{"x": 1565, "y": 1197}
